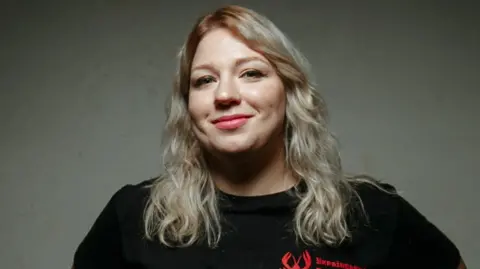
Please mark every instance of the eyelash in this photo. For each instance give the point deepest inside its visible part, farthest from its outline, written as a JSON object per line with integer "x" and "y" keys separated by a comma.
{"x": 199, "y": 82}
{"x": 254, "y": 74}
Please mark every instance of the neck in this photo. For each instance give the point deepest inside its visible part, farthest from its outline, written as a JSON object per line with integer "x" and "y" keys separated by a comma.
{"x": 252, "y": 174}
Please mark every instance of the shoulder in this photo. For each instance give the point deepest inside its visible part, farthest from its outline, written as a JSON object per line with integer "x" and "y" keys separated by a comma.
{"x": 402, "y": 231}
{"x": 379, "y": 206}
{"x": 376, "y": 199}
{"x": 374, "y": 211}
{"x": 115, "y": 229}
{"x": 123, "y": 212}
{"x": 132, "y": 196}
{"x": 135, "y": 190}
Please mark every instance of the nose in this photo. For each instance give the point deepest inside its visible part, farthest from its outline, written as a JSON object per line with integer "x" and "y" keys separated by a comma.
{"x": 227, "y": 94}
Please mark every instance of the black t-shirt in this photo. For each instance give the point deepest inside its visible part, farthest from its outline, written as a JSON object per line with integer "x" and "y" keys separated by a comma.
{"x": 259, "y": 236}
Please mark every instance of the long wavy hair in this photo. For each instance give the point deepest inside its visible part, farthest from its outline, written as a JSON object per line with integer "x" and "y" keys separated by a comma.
{"x": 182, "y": 208}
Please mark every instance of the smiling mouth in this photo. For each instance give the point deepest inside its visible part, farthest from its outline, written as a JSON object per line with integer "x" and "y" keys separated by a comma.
{"x": 231, "y": 122}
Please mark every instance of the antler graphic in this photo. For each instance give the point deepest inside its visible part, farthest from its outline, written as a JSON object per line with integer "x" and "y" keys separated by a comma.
{"x": 307, "y": 259}
{"x": 296, "y": 262}
{"x": 285, "y": 260}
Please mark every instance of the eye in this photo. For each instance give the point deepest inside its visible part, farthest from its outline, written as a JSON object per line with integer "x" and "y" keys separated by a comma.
{"x": 253, "y": 74}
{"x": 203, "y": 80}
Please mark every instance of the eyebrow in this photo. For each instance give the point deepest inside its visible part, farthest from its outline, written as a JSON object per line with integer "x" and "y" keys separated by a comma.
{"x": 238, "y": 62}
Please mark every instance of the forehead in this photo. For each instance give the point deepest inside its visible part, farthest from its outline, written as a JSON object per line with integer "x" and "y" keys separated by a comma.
{"x": 221, "y": 47}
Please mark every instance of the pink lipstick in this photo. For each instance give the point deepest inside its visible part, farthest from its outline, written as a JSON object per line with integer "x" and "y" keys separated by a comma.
{"x": 231, "y": 122}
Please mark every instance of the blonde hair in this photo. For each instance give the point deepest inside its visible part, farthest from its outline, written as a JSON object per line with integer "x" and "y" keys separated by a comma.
{"x": 182, "y": 208}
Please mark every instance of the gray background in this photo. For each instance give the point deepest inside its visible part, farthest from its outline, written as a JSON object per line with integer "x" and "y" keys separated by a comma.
{"x": 83, "y": 87}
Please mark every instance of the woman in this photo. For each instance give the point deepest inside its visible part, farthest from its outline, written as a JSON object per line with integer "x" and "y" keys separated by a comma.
{"x": 253, "y": 177}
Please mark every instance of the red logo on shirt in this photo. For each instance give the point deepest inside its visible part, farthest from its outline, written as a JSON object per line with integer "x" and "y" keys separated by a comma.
{"x": 291, "y": 262}
{"x": 304, "y": 261}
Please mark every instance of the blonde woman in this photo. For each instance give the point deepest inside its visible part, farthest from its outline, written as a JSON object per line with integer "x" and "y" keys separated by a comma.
{"x": 253, "y": 177}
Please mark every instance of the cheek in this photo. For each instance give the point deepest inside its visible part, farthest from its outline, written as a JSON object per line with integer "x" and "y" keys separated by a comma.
{"x": 197, "y": 106}
{"x": 269, "y": 97}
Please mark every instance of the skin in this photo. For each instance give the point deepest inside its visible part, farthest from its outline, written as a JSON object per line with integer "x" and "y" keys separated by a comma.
{"x": 230, "y": 78}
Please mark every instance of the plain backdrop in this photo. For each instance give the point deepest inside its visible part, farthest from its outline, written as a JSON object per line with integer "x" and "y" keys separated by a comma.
{"x": 83, "y": 87}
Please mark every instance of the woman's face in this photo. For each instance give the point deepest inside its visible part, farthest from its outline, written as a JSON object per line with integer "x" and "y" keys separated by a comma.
{"x": 236, "y": 99}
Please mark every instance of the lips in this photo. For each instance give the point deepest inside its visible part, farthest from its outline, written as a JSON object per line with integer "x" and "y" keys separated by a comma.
{"x": 231, "y": 122}
{"x": 231, "y": 118}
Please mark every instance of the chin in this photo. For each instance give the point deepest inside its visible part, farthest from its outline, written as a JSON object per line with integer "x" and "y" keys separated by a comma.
{"x": 232, "y": 149}
{"x": 233, "y": 145}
